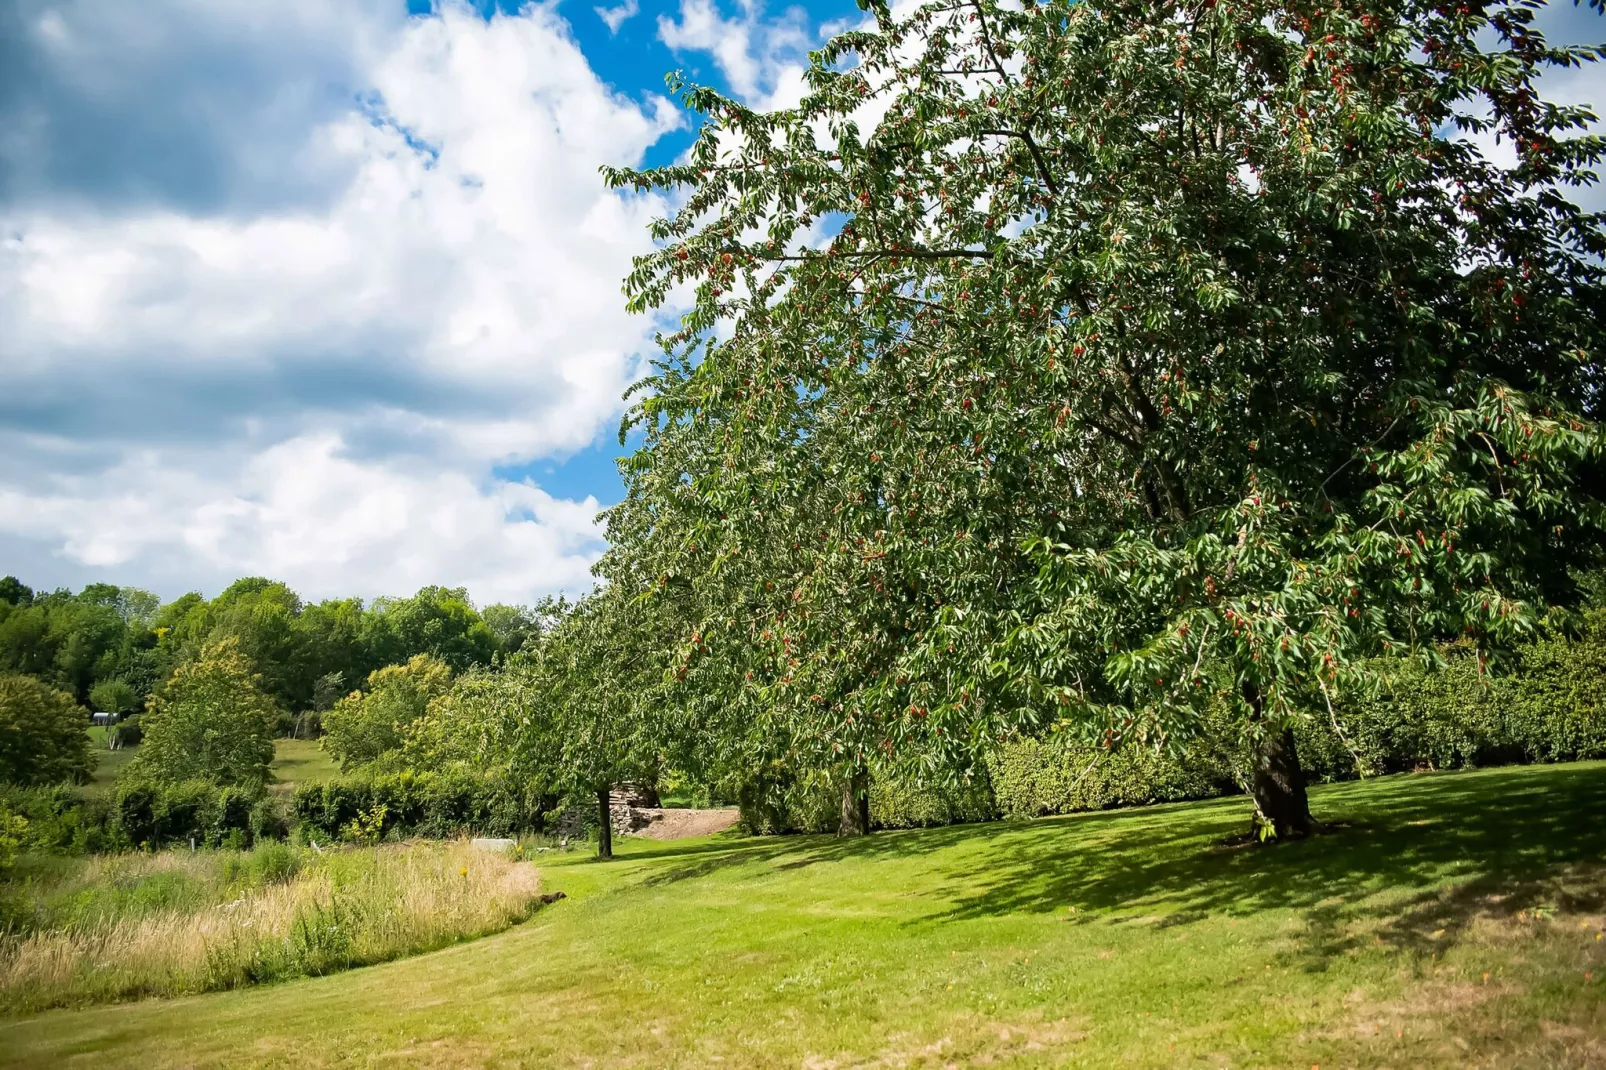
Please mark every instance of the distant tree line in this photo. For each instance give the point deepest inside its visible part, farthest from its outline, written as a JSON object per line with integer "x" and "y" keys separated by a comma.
{"x": 113, "y": 648}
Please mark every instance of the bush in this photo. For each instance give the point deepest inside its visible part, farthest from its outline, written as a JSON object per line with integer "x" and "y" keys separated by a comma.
{"x": 62, "y": 822}
{"x": 149, "y": 814}
{"x": 125, "y": 733}
{"x": 212, "y": 721}
{"x": 1548, "y": 708}
{"x": 902, "y": 804}
{"x": 776, "y": 805}
{"x": 438, "y": 804}
{"x": 42, "y": 734}
{"x": 364, "y": 726}
{"x": 1033, "y": 777}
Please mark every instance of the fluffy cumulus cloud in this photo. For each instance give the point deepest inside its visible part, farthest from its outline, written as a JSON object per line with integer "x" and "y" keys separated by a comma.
{"x": 759, "y": 54}
{"x": 282, "y": 285}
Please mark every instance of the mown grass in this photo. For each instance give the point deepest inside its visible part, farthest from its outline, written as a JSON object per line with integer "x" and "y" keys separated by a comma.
{"x": 118, "y": 927}
{"x": 1447, "y": 920}
{"x": 108, "y": 763}
{"x": 300, "y": 761}
{"x": 295, "y": 761}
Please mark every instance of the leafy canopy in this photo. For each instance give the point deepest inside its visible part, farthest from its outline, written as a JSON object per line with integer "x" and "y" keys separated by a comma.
{"x": 42, "y": 734}
{"x": 1051, "y": 362}
{"x": 212, "y": 721}
{"x": 365, "y": 726}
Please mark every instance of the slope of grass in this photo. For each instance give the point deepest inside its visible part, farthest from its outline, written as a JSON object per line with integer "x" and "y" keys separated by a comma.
{"x": 108, "y": 763}
{"x": 300, "y": 761}
{"x": 1448, "y": 920}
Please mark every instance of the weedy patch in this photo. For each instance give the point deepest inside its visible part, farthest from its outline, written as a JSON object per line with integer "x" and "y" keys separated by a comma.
{"x": 181, "y": 922}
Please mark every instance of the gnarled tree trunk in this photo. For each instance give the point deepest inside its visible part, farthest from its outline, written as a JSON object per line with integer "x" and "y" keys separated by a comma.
{"x": 1276, "y": 781}
{"x": 605, "y": 833}
{"x": 855, "y": 805}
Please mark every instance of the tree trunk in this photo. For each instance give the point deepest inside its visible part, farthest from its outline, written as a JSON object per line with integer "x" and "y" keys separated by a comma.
{"x": 1276, "y": 781}
{"x": 605, "y": 833}
{"x": 855, "y": 805}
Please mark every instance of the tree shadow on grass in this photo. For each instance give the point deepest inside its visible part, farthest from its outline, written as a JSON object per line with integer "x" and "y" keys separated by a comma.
{"x": 1498, "y": 835}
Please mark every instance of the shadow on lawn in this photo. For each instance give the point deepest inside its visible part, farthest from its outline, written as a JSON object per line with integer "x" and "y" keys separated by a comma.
{"x": 1501, "y": 834}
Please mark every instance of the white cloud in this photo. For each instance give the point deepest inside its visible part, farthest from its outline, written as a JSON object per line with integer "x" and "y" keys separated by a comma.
{"x": 760, "y": 58}
{"x": 615, "y": 17}
{"x": 318, "y": 388}
{"x": 301, "y": 510}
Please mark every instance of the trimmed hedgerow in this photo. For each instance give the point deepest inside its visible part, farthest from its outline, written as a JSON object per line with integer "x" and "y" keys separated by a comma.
{"x": 1033, "y": 777}
{"x": 1551, "y": 707}
{"x": 412, "y": 803}
{"x": 144, "y": 814}
{"x": 901, "y": 804}
{"x": 774, "y": 807}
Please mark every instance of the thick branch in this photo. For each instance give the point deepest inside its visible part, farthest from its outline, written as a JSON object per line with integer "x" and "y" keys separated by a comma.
{"x": 1037, "y": 155}
{"x": 911, "y": 254}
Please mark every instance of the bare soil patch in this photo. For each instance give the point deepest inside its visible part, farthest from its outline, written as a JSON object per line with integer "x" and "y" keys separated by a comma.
{"x": 681, "y": 824}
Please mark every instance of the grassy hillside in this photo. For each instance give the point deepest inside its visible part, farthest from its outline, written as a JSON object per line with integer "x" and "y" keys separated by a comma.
{"x": 108, "y": 763}
{"x": 1449, "y": 920}
{"x": 295, "y": 761}
{"x": 301, "y": 761}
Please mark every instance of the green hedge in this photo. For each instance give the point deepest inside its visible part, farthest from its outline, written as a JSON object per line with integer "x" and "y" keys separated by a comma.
{"x": 143, "y": 814}
{"x": 779, "y": 807}
{"x": 1032, "y": 778}
{"x": 423, "y": 804}
{"x": 198, "y": 812}
{"x": 1551, "y": 707}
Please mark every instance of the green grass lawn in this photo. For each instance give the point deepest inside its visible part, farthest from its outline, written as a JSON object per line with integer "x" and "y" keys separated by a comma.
{"x": 108, "y": 763}
{"x": 1447, "y": 920}
{"x": 301, "y": 761}
{"x": 295, "y": 761}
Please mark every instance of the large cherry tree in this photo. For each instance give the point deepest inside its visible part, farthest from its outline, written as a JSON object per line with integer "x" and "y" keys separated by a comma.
{"x": 1061, "y": 366}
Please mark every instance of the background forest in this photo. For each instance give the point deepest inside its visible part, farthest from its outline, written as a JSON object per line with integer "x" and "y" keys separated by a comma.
{"x": 112, "y": 647}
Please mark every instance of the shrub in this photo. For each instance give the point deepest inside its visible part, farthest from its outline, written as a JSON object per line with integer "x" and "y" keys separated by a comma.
{"x": 777, "y": 805}
{"x": 363, "y": 726}
{"x": 151, "y": 814}
{"x": 60, "y": 821}
{"x": 125, "y": 733}
{"x": 899, "y": 804}
{"x": 412, "y": 803}
{"x": 1548, "y": 708}
{"x": 1033, "y": 777}
{"x": 211, "y": 722}
{"x": 113, "y": 696}
{"x": 42, "y": 734}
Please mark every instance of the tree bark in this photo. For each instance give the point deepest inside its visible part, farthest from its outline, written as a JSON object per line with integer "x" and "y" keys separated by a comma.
{"x": 605, "y": 833}
{"x": 1276, "y": 781}
{"x": 855, "y": 805}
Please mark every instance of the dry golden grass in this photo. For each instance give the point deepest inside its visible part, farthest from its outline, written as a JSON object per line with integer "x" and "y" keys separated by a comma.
{"x": 227, "y": 926}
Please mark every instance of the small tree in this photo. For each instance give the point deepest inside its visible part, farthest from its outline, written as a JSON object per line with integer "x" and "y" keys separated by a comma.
{"x": 594, "y": 679}
{"x": 42, "y": 734}
{"x": 366, "y": 725}
{"x": 212, "y": 721}
{"x": 113, "y": 696}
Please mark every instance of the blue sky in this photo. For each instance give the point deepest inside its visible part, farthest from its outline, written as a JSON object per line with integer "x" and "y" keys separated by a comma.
{"x": 329, "y": 292}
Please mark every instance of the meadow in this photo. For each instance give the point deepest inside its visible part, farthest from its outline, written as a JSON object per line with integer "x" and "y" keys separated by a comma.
{"x": 125, "y": 926}
{"x": 1441, "y": 920}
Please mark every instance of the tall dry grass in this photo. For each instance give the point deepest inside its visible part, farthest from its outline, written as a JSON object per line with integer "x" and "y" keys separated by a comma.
{"x": 220, "y": 921}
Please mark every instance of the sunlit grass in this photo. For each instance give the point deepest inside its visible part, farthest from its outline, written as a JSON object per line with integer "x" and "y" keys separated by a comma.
{"x": 300, "y": 761}
{"x": 1129, "y": 938}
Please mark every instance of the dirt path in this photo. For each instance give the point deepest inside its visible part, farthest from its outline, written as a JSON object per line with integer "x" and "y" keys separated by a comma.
{"x": 679, "y": 824}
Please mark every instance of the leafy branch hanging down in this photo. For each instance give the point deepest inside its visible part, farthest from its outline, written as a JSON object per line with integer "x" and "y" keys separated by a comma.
{"x": 1056, "y": 366}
